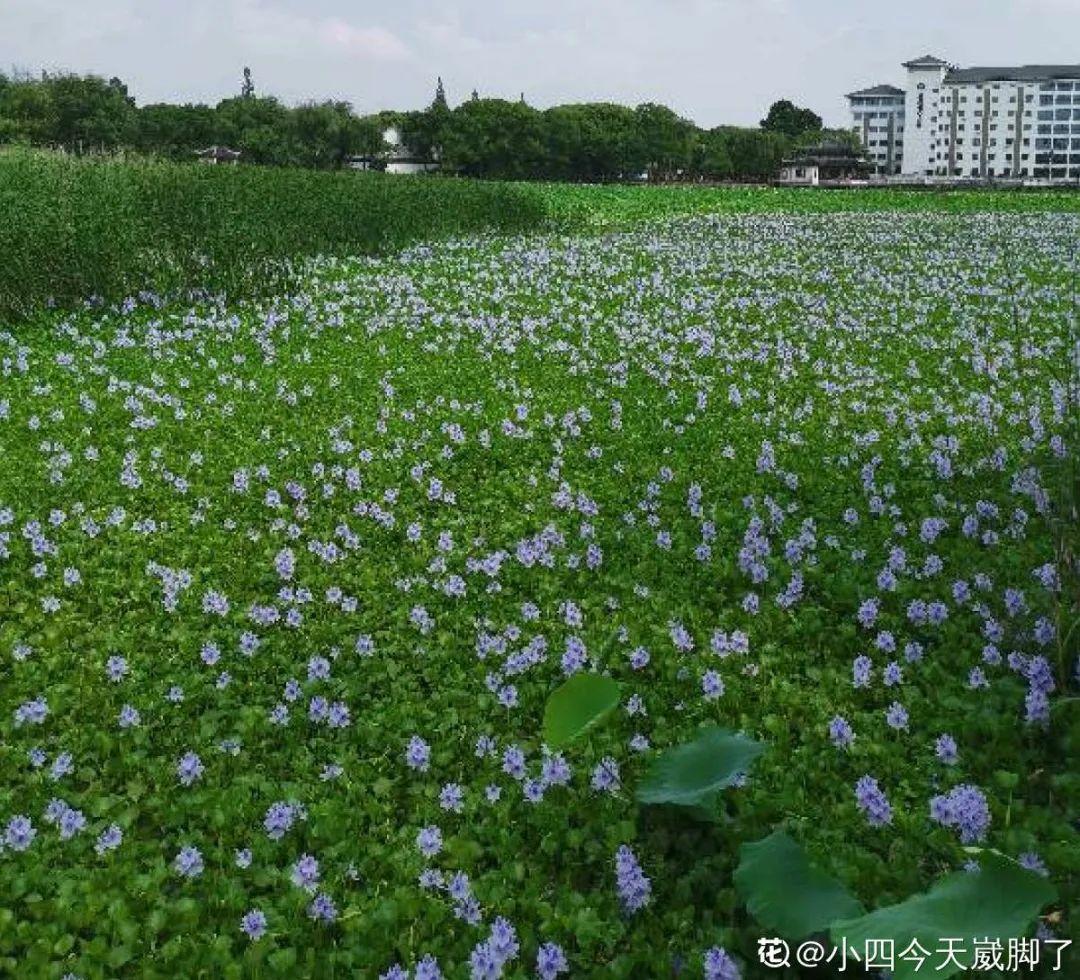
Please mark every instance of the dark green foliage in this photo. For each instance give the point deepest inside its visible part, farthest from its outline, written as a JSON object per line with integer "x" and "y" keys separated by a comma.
{"x": 998, "y": 901}
{"x": 490, "y": 138}
{"x": 576, "y": 705}
{"x": 786, "y": 893}
{"x": 789, "y": 119}
{"x": 691, "y": 775}
{"x": 72, "y": 228}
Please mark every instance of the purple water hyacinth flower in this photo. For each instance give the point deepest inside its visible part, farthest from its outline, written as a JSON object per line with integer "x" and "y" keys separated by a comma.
{"x": 428, "y": 969}
{"x": 418, "y": 754}
{"x": 945, "y": 748}
{"x": 189, "y": 768}
{"x": 719, "y": 964}
{"x": 514, "y": 762}
{"x": 1044, "y": 631}
{"x": 1032, "y": 862}
{"x": 484, "y": 963}
{"x": 605, "y": 777}
{"x": 861, "y": 669}
{"x": 574, "y": 658}
{"x": 896, "y": 716}
{"x": 868, "y": 612}
{"x": 19, "y": 833}
{"x": 965, "y": 808}
{"x": 840, "y": 733}
{"x": 32, "y": 712}
{"x": 452, "y": 798}
{"x": 62, "y": 766}
{"x": 712, "y": 686}
{"x": 322, "y": 909}
{"x": 1036, "y": 707}
{"x": 551, "y": 961}
{"x": 189, "y": 862}
{"x": 468, "y": 910}
{"x": 429, "y": 841}
{"x": 71, "y": 822}
{"x": 871, "y": 800}
{"x": 503, "y": 940}
{"x": 253, "y": 925}
{"x": 458, "y": 887}
{"x": 109, "y": 839}
{"x": 633, "y": 886}
{"x": 279, "y": 818}
{"x": 430, "y": 879}
{"x": 305, "y": 873}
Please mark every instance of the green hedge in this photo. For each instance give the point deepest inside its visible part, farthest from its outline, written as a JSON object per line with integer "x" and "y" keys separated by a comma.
{"x": 73, "y": 228}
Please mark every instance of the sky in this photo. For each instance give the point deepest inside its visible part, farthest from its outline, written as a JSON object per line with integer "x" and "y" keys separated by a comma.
{"x": 713, "y": 61}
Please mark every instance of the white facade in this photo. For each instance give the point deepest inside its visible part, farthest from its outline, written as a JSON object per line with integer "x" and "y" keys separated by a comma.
{"x": 877, "y": 116}
{"x": 800, "y": 175}
{"x": 1020, "y": 123}
{"x": 922, "y": 98}
{"x": 397, "y": 159}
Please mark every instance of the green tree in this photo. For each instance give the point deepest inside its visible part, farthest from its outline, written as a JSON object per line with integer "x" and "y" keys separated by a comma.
{"x": 789, "y": 119}
{"x": 755, "y": 154}
{"x": 495, "y": 138}
{"x": 666, "y": 140}
{"x": 174, "y": 131}
{"x": 260, "y": 127}
{"x": 26, "y": 111}
{"x": 711, "y": 157}
{"x": 86, "y": 112}
{"x": 593, "y": 141}
{"x": 327, "y": 133}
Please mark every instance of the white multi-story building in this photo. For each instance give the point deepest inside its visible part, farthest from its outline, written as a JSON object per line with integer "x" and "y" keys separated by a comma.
{"x": 878, "y": 120}
{"x": 984, "y": 123}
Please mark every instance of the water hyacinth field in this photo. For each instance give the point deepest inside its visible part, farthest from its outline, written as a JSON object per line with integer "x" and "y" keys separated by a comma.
{"x": 562, "y": 605}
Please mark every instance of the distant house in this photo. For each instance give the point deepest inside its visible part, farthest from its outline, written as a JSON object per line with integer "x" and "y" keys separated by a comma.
{"x": 829, "y": 161}
{"x": 398, "y": 159}
{"x": 218, "y": 154}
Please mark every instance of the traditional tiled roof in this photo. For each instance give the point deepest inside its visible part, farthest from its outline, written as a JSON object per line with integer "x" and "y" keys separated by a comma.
{"x": 876, "y": 90}
{"x": 926, "y": 61}
{"x": 1021, "y": 73}
{"x": 218, "y": 153}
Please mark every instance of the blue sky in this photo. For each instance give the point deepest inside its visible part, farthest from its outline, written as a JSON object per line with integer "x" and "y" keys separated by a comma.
{"x": 715, "y": 61}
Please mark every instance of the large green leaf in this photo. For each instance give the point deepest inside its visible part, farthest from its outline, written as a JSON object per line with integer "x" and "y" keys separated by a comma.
{"x": 577, "y": 705}
{"x": 999, "y": 901}
{"x": 692, "y": 774}
{"x": 786, "y": 893}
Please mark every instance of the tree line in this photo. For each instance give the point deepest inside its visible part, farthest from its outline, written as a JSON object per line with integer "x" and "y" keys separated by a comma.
{"x": 481, "y": 137}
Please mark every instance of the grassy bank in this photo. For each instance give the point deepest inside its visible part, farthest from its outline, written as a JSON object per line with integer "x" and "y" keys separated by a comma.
{"x": 617, "y": 205}
{"x": 72, "y": 228}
